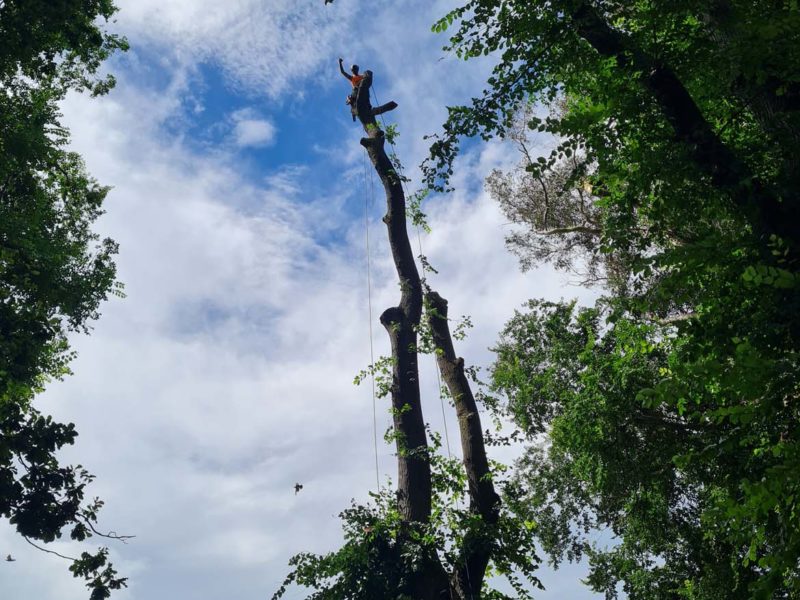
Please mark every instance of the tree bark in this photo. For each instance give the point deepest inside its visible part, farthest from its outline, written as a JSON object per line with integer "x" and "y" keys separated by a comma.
{"x": 379, "y": 110}
{"x": 429, "y": 582}
{"x": 414, "y": 492}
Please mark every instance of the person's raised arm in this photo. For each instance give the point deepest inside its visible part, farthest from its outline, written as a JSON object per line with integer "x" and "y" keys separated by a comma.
{"x": 343, "y": 72}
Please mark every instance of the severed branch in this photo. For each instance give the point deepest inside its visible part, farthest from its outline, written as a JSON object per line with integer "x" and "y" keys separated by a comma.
{"x": 379, "y": 110}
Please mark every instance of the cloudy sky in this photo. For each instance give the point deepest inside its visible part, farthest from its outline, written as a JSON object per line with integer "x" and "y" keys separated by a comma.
{"x": 225, "y": 375}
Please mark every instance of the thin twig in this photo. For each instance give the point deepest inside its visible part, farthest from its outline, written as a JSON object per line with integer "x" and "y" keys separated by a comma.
{"x": 48, "y": 551}
{"x": 111, "y": 535}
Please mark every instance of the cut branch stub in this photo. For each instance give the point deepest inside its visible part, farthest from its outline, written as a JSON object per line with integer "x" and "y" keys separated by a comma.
{"x": 379, "y": 110}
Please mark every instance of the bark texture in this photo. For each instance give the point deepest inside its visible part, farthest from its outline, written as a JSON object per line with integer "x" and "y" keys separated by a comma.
{"x": 401, "y": 323}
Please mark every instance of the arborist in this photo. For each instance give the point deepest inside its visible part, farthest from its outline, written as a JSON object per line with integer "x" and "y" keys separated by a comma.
{"x": 354, "y": 78}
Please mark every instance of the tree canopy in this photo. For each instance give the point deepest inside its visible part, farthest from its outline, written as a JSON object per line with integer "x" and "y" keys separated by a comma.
{"x": 669, "y": 409}
{"x": 54, "y": 270}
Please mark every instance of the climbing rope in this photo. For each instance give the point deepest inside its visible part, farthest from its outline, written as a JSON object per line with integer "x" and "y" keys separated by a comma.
{"x": 367, "y": 205}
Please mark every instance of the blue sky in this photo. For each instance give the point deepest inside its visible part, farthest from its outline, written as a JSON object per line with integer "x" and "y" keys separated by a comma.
{"x": 226, "y": 374}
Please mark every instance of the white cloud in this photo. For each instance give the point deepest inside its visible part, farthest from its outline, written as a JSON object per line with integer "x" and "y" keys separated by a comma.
{"x": 250, "y": 130}
{"x": 263, "y": 45}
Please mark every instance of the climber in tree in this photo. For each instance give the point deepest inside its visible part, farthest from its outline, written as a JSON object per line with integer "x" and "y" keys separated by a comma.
{"x": 354, "y": 79}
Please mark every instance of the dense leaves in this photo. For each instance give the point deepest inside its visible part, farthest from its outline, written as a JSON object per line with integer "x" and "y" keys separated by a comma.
{"x": 669, "y": 413}
{"x": 57, "y": 43}
{"x": 54, "y": 270}
{"x": 619, "y": 462}
{"x": 384, "y": 556}
{"x": 42, "y": 498}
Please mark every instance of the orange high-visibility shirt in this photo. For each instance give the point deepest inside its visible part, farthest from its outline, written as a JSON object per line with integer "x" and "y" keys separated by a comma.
{"x": 356, "y": 79}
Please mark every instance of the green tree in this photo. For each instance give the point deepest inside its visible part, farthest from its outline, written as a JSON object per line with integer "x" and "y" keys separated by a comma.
{"x": 54, "y": 270}
{"x": 670, "y": 410}
{"x": 614, "y": 460}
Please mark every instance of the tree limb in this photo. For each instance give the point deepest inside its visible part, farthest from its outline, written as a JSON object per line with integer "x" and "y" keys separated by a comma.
{"x": 379, "y": 110}
{"x": 573, "y": 229}
{"x": 483, "y": 499}
{"x": 40, "y": 548}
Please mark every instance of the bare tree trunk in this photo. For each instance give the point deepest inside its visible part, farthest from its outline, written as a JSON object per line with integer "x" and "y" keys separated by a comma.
{"x": 414, "y": 490}
{"x": 401, "y": 323}
{"x": 483, "y": 500}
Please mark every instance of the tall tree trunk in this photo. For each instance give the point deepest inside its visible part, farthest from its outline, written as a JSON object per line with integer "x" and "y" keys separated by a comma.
{"x": 401, "y": 323}
{"x": 483, "y": 500}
